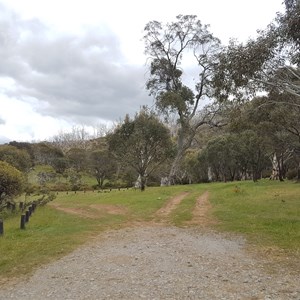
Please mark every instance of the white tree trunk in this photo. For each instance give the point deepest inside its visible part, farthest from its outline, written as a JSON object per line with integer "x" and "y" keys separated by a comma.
{"x": 275, "y": 168}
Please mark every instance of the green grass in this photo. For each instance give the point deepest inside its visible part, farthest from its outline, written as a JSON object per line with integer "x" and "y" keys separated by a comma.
{"x": 52, "y": 233}
{"x": 267, "y": 213}
{"x": 183, "y": 212}
{"x": 48, "y": 235}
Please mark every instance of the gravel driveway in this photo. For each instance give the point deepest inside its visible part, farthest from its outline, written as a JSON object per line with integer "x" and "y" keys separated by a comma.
{"x": 158, "y": 262}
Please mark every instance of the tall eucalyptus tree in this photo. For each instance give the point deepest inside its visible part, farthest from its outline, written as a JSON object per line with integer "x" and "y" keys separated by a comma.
{"x": 170, "y": 48}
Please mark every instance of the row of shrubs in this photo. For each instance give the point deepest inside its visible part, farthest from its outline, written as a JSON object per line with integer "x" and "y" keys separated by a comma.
{"x": 65, "y": 186}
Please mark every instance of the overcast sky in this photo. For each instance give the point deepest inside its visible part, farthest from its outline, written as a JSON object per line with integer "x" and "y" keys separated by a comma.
{"x": 66, "y": 62}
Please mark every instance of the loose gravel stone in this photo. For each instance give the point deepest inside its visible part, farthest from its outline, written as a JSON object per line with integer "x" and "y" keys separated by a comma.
{"x": 158, "y": 262}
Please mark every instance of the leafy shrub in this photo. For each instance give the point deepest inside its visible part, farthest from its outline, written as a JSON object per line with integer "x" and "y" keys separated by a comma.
{"x": 31, "y": 188}
{"x": 12, "y": 183}
{"x": 60, "y": 187}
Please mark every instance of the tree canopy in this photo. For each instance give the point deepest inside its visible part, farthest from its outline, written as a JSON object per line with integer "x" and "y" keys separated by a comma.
{"x": 270, "y": 62}
{"x": 19, "y": 158}
{"x": 143, "y": 143}
{"x": 167, "y": 46}
{"x": 102, "y": 165}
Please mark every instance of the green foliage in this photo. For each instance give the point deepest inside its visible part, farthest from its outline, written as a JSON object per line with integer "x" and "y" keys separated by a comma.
{"x": 69, "y": 180}
{"x": 24, "y": 146}
{"x": 19, "y": 158}
{"x": 276, "y": 127}
{"x": 74, "y": 179}
{"x": 60, "y": 164}
{"x": 269, "y": 62}
{"x": 102, "y": 165}
{"x": 77, "y": 159}
{"x": 174, "y": 102}
{"x": 45, "y": 153}
{"x": 234, "y": 156}
{"x": 167, "y": 45}
{"x": 142, "y": 143}
{"x": 11, "y": 182}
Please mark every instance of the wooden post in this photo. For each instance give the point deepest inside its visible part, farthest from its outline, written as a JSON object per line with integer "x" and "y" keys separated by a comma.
{"x": 1, "y": 227}
{"x": 23, "y": 221}
{"x": 26, "y": 216}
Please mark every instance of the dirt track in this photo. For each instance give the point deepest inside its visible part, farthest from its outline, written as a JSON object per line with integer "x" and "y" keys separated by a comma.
{"x": 157, "y": 261}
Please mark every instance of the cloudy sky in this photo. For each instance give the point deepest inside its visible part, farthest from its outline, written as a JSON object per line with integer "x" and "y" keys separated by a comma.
{"x": 66, "y": 63}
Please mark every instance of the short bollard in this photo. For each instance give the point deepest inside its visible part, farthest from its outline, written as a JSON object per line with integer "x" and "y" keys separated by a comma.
{"x": 23, "y": 221}
{"x": 30, "y": 210}
{"x": 1, "y": 227}
{"x": 27, "y": 216}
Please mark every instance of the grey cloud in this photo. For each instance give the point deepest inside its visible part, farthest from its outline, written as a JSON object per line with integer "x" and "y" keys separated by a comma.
{"x": 2, "y": 121}
{"x": 81, "y": 78}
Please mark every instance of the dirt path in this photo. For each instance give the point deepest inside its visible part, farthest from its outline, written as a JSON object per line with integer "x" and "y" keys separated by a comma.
{"x": 96, "y": 210}
{"x": 93, "y": 211}
{"x": 171, "y": 205}
{"x": 201, "y": 212}
{"x": 157, "y": 261}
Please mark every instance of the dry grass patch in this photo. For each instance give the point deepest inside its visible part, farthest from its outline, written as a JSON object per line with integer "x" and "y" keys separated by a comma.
{"x": 93, "y": 211}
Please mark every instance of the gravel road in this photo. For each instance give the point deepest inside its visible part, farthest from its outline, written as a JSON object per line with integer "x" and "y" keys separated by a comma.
{"x": 158, "y": 262}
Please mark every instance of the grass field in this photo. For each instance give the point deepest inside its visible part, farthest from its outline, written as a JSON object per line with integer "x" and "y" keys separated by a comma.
{"x": 267, "y": 213}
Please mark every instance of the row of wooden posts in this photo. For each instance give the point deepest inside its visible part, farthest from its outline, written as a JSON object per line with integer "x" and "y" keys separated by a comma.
{"x": 24, "y": 217}
{"x": 101, "y": 191}
{"x": 1, "y": 227}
